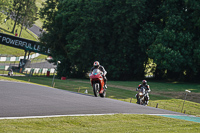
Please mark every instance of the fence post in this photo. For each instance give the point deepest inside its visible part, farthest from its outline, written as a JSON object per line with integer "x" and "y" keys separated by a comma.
{"x": 157, "y": 105}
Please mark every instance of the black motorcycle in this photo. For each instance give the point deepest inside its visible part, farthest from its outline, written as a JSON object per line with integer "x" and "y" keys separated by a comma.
{"x": 142, "y": 96}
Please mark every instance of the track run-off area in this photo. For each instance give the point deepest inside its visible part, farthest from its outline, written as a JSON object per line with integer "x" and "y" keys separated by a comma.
{"x": 25, "y": 100}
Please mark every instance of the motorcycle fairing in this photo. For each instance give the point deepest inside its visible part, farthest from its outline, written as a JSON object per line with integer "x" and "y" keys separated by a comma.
{"x": 96, "y": 77}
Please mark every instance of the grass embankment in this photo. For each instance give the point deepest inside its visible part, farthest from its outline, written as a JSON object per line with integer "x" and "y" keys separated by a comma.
{"x": 163, "y": 94}
{"x": 170, "y": 95}
{"x": 7, "y": 28}
{"x": 118, "y": 123}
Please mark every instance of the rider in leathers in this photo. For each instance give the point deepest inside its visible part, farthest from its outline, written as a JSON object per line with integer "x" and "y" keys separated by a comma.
{"x": 101, "y": 68}
{"x": 147, "y": 90}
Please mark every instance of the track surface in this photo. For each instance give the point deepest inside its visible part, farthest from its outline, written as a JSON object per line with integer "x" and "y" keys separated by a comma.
{"x": 23, "y": 99}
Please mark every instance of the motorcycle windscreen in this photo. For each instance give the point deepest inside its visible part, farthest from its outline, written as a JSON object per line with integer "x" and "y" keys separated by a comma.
{"x": 142, "y": 90}
{"x": 95, "y": 71}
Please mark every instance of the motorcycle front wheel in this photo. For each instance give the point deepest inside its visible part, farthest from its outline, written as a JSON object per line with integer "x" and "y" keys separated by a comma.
{"x": 141, "y": 101}
{"x": 96, "y": 89}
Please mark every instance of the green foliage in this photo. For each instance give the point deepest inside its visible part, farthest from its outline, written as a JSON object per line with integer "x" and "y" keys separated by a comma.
{"x": 171, "y": 37}
{"x": 23, "y": 12}
{"x": 85, "y": 31}
{"x": 124, "y": 34}
{"x": 5, "y": 5}
{"x": 29, "y": 15}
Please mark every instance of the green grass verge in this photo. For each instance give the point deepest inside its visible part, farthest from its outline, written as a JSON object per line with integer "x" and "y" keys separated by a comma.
{"x": 162, "y": 86}
{"x": 105, "y": 124}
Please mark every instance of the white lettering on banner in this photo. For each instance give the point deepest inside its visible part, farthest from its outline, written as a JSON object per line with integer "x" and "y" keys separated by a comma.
{"x": 23, "y": 44}
{"x": 3, "y": 39}
{"x": 37, "y": 47}
{"x": 17, "y": 42}
{"x": 34, "y": 47}
{"x": 7, "y": 40}
{"x": 29, "y": 46}
{"x": 12, "y": 42}
{"x": 20, "y": 43}
{"x": 26, "y": 45}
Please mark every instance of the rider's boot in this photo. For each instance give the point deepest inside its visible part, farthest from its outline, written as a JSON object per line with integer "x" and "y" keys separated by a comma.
{"x": 105, "y": 85}
{"x": 137, "y": 99}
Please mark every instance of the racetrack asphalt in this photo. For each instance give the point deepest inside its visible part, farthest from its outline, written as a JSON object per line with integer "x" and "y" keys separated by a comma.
{"x": 23, "y": 99}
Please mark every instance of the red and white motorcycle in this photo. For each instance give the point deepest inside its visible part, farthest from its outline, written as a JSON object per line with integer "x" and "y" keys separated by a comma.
{"x": 97, "y": 82}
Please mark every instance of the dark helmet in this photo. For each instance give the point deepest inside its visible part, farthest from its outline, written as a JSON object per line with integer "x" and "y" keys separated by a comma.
{"x": 144, "y": 82}
{"x": 96, "y": 64}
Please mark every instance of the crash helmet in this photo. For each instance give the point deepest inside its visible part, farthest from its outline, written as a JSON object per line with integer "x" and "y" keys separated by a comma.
{"x": 96, "y": 64}
{"x": 144, "y": 82}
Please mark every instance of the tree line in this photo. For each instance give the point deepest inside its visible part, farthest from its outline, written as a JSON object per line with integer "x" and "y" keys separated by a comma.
{"x": 124, "y": 35}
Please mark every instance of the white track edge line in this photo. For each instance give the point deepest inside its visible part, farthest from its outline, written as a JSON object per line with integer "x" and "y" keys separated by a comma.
{"x": 48, "y": 116}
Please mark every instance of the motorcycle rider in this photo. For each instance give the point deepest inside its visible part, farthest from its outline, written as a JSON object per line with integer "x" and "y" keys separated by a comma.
{"x": 10, "y": 73}
{"x": 147, "y": 90}
{"x": 96, "y": 65}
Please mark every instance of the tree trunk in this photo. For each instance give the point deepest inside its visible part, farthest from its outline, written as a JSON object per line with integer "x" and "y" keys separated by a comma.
{"x": 16, "y": 19}
{"x": 22, "y": 27}
{"x": 15, "y": 24}
{"x": 21, "y": 30}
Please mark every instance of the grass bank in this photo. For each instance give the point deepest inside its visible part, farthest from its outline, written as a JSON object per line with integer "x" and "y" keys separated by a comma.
{"x": 106, "y": 124}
